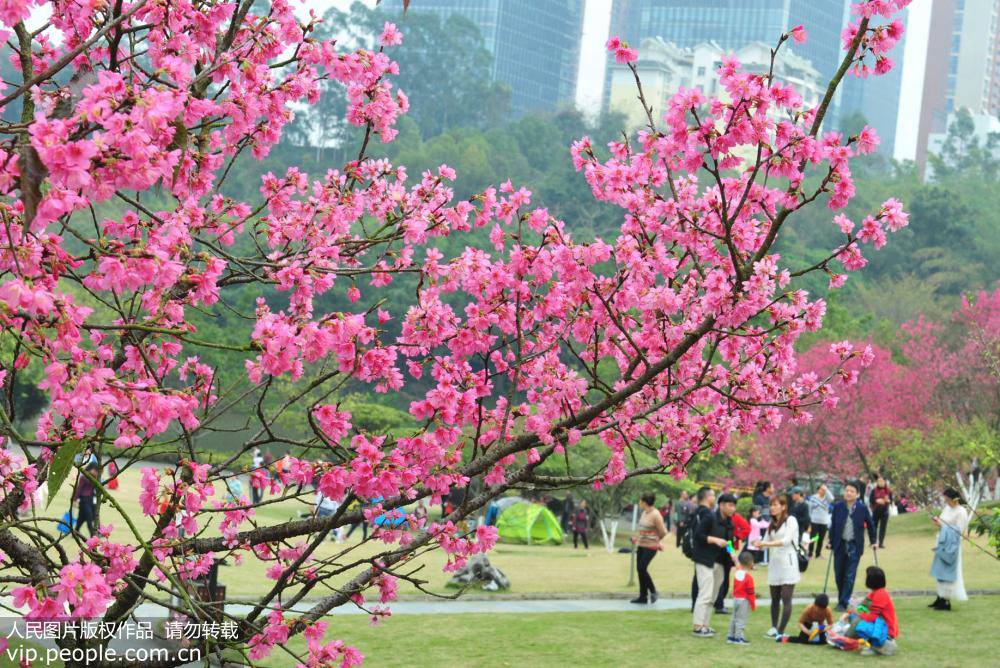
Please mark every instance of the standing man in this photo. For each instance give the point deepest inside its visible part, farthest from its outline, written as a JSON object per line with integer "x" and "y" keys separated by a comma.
{"x": 848, "y": 522}
{"x": 819, "y": 518}
{"x": 667, "y": 511}
{"x": 685, "y": 514}
{"x": 712, "y": 530}
{"x": 568, "y": 511}
{"x": 800, "y": 511}
{"x": 83, "y": 496}
{"x": 863, "y": 486}
{"x": 739, "y": 532}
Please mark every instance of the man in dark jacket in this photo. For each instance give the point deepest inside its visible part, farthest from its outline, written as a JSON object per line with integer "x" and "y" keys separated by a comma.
{"x": 848, "y": 521}
{"x": 800, "y": 510}
{"x": 725, "y": 514}
{"x": 712, "y": 530}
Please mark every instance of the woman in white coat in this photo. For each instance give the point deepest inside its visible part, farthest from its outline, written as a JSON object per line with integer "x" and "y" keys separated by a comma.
{"x": 953, "y": 523}
{"x": 782, "y": 538}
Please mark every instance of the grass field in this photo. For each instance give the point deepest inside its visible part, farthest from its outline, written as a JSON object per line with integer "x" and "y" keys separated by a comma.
{"x": 539, "y": 570}
{"x": 965, "y": 637}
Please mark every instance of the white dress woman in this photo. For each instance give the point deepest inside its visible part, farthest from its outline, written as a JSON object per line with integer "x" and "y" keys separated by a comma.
{"x": 954, "y": 523}
{"x": 782, "y": 539}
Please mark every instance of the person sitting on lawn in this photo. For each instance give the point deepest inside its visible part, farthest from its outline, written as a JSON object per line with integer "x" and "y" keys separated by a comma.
{"x": 874, "y": 620}
{"x": 813, "y": 623}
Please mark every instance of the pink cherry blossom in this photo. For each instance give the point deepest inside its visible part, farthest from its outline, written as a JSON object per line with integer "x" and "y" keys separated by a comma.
{"x": 677, "y": 331}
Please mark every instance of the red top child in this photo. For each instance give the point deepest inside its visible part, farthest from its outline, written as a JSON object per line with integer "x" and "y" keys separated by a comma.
{"x": 880, "y": 605}
{"x": 743, "y": 587}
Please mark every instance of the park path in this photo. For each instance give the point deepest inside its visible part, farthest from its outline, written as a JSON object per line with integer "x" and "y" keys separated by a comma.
{"x": 460, "y": 606}
{"x": 486, "y": 607}
{"x": 491, "y": 606}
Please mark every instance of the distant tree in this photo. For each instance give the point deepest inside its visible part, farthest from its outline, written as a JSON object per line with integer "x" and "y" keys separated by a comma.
{"x": 921, "y": 462}
{"x": 438, "y": 55}
{"x": 926, "y": 411}
{"x": 963, "y": 151}
{"x": 841, "y": 440}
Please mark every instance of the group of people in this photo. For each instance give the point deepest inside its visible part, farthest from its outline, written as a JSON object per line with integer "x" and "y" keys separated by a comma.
{"x": 784, "y": 531}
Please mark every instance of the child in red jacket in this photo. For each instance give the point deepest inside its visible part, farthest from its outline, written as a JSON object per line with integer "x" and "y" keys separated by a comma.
{"x": 879, "y": 610}
{"x": 744, "y": 600}
{"x": 875, "y": 619}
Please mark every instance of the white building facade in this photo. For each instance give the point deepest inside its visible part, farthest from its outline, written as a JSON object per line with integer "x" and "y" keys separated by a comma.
{"x": 665, "y": 68}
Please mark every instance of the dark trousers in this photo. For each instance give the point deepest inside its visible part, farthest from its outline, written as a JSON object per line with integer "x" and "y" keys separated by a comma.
{"x": 86, "y": 513}
{"x": 819, "y": 535}
{"x": 804, "y": 639}
{"x": 364, "y": 530}
{"x": 680, "y": 534}
{"x": 583, "y": 535}
{"x": 643, "y": 556}
{"x": 256, "y": 495}
{"x": 881, "y": 517}
{"x": 845, "y": 567}
{"x": 720, "y": 600}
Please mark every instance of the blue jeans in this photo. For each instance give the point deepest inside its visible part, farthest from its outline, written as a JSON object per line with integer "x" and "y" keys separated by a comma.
{"x": 845, "y": 568}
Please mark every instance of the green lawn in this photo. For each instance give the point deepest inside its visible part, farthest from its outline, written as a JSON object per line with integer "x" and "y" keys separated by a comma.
{"x": 965, "y": 637}
{"x": 535, "y": 570}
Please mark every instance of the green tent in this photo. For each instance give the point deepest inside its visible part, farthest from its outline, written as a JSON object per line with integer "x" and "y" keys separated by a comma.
{"x": 529, "y": 523}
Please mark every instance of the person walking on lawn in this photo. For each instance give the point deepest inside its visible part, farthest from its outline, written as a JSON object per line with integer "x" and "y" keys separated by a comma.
{"x": 712, "y": 533}
{"x": 799, "y": 509}
{"x": 819, "y": 519}
{"x": 651, "y": 533}
{"x": 879, "y": 500}
{"x": 686, "y": 510}
{"x": 849, "y": 520}
{"x": 580, "y": 522}
{"x": 84, "y": 495}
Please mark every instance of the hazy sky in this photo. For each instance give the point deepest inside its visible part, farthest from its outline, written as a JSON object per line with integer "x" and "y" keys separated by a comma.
{"x": 590, "y": 77}
{"x": 913, "y": 61}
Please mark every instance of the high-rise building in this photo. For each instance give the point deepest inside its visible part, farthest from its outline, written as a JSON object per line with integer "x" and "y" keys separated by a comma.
{"x": 959, "y": 64}
{"x": 972, "y": 59}
{"x": 734, "y": 24}
{"x": 535, "y": 45}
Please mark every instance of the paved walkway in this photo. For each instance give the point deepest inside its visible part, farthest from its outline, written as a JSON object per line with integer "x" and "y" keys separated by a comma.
{"x": 461, "y": 606}
{"x": 492, "y": 606}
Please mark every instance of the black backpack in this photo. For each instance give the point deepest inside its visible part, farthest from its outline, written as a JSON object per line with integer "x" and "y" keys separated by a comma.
{"x": 687, "y": 540}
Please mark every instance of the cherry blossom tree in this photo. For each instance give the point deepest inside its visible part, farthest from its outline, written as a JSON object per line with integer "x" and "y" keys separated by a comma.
{"x": 117, "y": 237}
{"x": 844, "y": 442}
{"x": 926, "y": 416}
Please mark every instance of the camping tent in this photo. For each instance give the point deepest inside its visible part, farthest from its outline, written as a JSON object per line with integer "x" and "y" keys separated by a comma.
{"x": 529, "y": 523}
{"x": 494, "y": 509}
